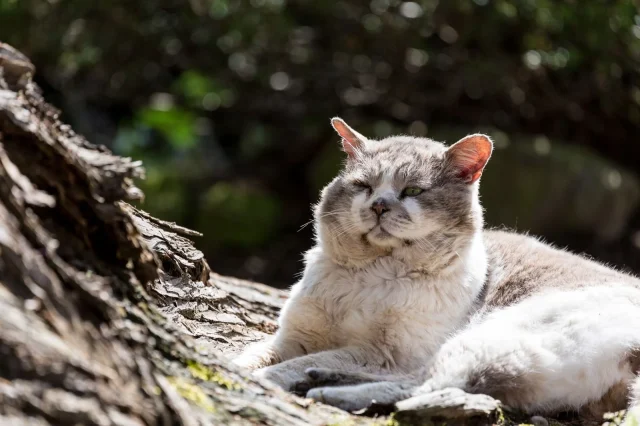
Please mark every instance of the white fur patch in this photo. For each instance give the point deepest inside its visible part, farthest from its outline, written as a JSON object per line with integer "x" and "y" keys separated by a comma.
{"x": 565, "y": 347}
{"x": 401, "y": 317}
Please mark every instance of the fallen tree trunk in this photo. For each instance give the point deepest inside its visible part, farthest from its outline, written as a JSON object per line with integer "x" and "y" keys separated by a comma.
{"x": 110, "y": 316}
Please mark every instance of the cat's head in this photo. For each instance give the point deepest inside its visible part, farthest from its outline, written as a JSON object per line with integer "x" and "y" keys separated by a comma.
{"x": 404, "y": 196}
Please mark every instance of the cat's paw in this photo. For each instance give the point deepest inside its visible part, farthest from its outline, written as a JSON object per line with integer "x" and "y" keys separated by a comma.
{"x": 284, "y": 378}
{"x": 382, "y": 395}
{"x": 344, "y": 398}
{"x": 319, "y": 377}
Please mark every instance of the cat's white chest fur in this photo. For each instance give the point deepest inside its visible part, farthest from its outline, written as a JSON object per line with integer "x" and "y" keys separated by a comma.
{"x": 401, "y": 315}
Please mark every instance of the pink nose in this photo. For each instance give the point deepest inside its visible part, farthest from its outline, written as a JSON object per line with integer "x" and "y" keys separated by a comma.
{"x": 380, "y": 206}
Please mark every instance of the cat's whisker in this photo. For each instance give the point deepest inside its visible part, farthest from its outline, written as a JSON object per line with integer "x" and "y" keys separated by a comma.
{"x": 334, "y": 213}
{"x": 346, "y": 229}
{"x": 305, "y": 225}
{"x": 324, "y": 215}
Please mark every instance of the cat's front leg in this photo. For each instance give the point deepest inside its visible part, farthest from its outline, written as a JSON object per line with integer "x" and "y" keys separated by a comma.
{"x": 320, "y": 377}
{"x": 358, "y": 397}
{"x": 292, "y": 375}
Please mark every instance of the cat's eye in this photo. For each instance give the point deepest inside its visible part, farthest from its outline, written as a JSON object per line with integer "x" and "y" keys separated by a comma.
{"x": 412, "y": 192}
{"x": 362, "y": 185}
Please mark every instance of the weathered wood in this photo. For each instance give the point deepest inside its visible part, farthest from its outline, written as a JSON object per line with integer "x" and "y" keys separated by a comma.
{"x": 15, "y": 69}
{"x": 449, "y": 404}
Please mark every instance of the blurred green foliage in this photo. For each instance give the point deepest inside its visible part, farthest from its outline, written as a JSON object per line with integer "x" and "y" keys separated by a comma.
{"x": 239, "y": 215}
{"x": 228, "y": 102}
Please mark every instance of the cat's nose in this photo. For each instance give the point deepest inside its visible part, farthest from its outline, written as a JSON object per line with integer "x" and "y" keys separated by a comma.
{"x": 380, "y": 206}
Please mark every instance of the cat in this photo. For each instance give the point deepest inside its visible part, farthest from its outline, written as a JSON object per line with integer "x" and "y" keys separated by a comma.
{"x": 405, "y": 292}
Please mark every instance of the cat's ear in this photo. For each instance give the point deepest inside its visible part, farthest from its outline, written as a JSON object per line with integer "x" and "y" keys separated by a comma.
{"x": 467, "y": 157}
{"x": 351, "y": 140}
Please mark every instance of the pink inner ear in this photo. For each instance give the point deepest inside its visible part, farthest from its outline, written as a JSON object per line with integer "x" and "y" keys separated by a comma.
{"x": 469, "y": 156}
{"x": 348, "y": 148}
{"x": 350, "y": 141}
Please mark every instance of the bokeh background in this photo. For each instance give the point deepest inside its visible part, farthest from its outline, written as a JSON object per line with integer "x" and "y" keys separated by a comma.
{"x": 227, "y": 103}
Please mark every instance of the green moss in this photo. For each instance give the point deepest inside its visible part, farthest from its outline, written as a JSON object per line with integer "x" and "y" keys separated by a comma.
{"x": 192, "y": 393}
{"x": 391, "y": 421}
{"x": 253, "y": 414}
{"x": 343, "y": 423}
{"x": 501, "y": 419}
{"x": 205, "y": 373}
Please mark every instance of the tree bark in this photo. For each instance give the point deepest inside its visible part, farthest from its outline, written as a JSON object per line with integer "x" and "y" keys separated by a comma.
{"x": 110, "y": 316}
